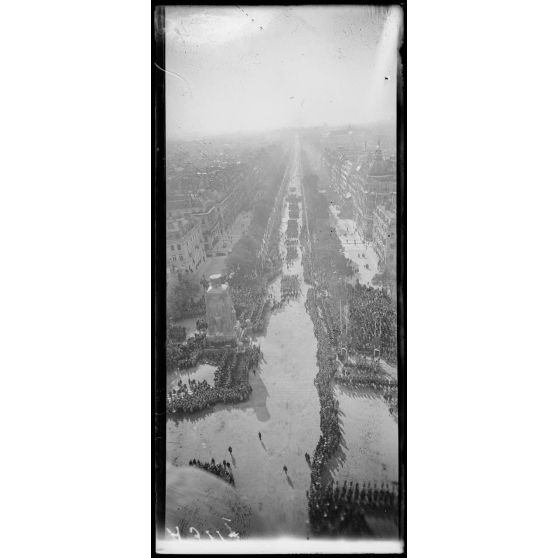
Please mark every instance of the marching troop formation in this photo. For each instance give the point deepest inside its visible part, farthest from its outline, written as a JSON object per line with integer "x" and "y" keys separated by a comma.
{"x": 343, "y": 510}
{"x": 294, "y": 211}
{"x": 292, "y": 228}
{"x": 290, "y": 287}
{"x": 381, "y": 383}
{"x": 222, "y": 470}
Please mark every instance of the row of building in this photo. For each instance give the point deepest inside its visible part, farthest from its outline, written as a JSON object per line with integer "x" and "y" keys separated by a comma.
{"x": 366, "y": 184}
{"x": 185, "y": 248}
{"x": 203, "y": 202}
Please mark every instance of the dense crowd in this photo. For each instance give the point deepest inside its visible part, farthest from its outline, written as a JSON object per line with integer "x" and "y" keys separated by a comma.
{"x": 330, "y": 313}
{"x": 248, "y": 282}
{"x": 273, "y": 257}
{"x": 367, "y": 375}
{"x": 195, "y": 309}
{"x": 222, "y": 470}
{"x": 176, "y": 333}
{"x": 294, "y": 211}
{"x": 231, "y": 381}
{"x": 249, "y": 300}
{"x": 185, "y": 355}
{"x": 290, "y": 287}
{"x": 343, "y": 510}
{"x": 203, "y": 396}
{"x": 292, "y": 253}
{"x": 373, "y": 321}
{"x": 325, "y": 267}
{"x": 292, "y": 228}
{"x": 329, "y": 406}
{"x": 328, "y": 263}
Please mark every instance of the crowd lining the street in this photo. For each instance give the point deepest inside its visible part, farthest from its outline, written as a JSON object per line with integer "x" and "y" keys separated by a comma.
{"x": 332, "y": 509}
{"x": 325, "y": 267}
{"x": 372, "y": 321}
{"x": 231, "y": 381}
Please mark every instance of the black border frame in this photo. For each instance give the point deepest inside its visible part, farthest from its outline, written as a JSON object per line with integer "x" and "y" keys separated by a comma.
{"x": 158, "y": 266}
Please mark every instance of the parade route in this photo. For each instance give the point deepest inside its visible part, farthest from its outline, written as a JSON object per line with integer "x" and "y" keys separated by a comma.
{"x": 283, "y": 398}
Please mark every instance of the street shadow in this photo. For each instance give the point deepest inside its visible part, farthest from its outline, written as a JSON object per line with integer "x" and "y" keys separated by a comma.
{"x": 233, "y": 460}
{"x": 371, "y": 393}
{"x": 257, "y": 401}
{"x": 361, "y": 392}
{"x": 335, "y": 463}
{"x": 291, "y": 483}
{"x": 191, "y": 417}
{"x": 263, "y": 446}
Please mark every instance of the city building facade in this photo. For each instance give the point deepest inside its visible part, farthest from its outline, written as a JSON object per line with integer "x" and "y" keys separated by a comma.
{"x": 363, "y": 181}
{"x": 185, "y": 246}
{"x": 384, "y": 237}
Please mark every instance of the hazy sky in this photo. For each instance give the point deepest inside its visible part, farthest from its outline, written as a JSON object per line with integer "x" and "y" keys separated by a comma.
{"x": 250, "y": 68}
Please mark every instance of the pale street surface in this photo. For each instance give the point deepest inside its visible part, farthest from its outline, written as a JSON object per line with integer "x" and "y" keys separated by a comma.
{"x": 284, "y": 407}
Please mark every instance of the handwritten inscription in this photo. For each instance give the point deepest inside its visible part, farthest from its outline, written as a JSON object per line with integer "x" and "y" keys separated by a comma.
{"x": 196, "y": 535}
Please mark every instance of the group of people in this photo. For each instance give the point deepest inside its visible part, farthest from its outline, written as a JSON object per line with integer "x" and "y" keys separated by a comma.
{"x": 343, "y": 510}
{"x": 329, "y": 263}
{"x": 294, "y": 211}
{"x": 373, "y": 321}
{"x": 292, "y": 253}
{"x": 330, "y": 312}
{"x": 329, "y": 406}
{"x": 370, "y": 376}
{"x": 386, "y": 388}
{"x": 223, "y": 373}
{"x": 176, "y": 333}
{"x": 292, "y": 228}
{"x": 185, "y": 355}
{"x": 324, "y": 266}
{"x": 203, "y": 396}
{"x": 290, "y": 287}
{"x": 222, "y": 470}
{"x": 249, "y": 300}
{"x": 201, "y": 324}
{"x": 231, "y": 381}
